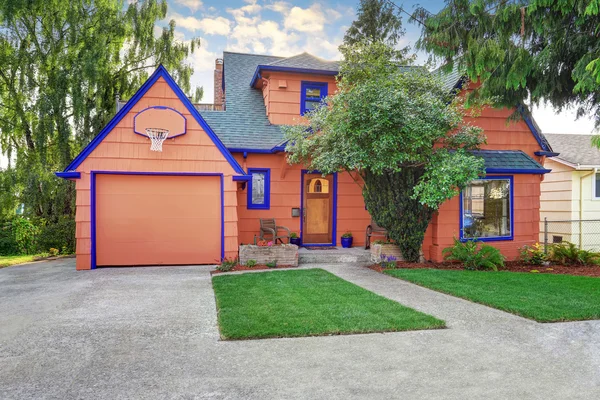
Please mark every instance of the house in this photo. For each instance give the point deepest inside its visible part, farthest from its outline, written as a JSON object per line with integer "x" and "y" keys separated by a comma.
{"x": 571, "y": 192}
{"x": 220, "y": 171}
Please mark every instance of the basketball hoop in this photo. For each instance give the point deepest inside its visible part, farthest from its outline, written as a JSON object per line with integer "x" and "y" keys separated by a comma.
{"x": 157, "y": 137}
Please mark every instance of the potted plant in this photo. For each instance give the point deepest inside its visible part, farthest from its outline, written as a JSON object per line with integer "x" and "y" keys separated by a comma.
{"x": 347, "y": 240}
{"x": 295, "y": 239}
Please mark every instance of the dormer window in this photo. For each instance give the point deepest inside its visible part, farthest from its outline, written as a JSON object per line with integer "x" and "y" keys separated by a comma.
{"x": 311, "y": 95}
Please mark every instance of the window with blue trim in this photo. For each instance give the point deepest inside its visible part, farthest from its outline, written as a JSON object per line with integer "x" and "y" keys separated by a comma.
{"x": 259, "y": 188}
{"x": 487, "y": 209}
{"x": 311, "y": 95}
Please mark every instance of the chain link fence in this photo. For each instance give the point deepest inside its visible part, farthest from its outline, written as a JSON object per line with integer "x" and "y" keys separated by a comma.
{"x": 585, "y": 234}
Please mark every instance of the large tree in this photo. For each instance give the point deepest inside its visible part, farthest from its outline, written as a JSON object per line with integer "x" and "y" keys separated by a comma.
{"x": 377, "y": 21}
{"x": 62, "y": 63}
{"x": 401, "y": 131}
{"x": 537, "y": 49}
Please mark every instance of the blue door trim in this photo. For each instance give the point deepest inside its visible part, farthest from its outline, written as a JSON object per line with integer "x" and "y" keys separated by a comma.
{"x": 334, "y": 211}
{"x": 93, "y": 202}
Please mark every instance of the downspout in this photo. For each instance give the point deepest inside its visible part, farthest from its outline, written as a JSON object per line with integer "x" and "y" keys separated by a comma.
{"x": 581, "y": 178}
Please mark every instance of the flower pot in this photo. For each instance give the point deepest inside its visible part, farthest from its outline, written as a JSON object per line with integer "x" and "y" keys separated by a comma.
{"x": 346, "y": 242}
{"x": 295, "y": 241}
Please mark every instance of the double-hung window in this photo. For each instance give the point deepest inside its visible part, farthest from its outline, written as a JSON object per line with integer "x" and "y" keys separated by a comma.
{"x": 596, "y": 186}
{"x": 487, "y": 209}
{"x": 311, "y": 95}
{"x": 259, "y": 188}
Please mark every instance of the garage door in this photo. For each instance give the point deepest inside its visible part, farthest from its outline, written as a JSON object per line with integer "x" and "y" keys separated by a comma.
{"x": 157, "y": 219}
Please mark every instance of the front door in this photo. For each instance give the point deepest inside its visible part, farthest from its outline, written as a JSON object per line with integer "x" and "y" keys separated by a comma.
{"x": 317, "y": 209}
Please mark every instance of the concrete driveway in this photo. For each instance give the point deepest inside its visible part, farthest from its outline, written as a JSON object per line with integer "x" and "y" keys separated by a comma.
{"x": 151, "y": 333}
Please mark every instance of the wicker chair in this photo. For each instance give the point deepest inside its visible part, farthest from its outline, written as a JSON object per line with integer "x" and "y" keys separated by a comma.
{"x": 374, "y": 230}
{"x": 269, "y": 227}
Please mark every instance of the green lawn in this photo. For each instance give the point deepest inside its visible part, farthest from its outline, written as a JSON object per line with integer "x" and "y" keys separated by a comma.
{"x": 306, "y": 303}
{"x": 7, "y": 261}
{"x": 542, "y": 297}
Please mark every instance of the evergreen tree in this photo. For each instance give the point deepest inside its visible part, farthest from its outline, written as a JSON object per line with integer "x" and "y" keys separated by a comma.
{"x": 377, "y": 21}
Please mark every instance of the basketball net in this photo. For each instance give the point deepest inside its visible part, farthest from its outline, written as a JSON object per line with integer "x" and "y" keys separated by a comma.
{"x": 157, "y": 137}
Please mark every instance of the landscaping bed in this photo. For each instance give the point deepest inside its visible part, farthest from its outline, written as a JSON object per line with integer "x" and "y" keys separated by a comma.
{"x": 544, "y": 297}
{"x": 513, "y": 266}
{"x": 309, "y": 302}
{"x": 239, "y": 267}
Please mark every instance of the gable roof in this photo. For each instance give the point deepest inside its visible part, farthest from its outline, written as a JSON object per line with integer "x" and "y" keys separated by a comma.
{"x": 301, "y": 63}
{"x": 244, "y": 123}
{"x": 509, "y": 161}
{"x": 455, "y": 78}
{"x": 160, "y": 72}
{"x": 575, "y": 149}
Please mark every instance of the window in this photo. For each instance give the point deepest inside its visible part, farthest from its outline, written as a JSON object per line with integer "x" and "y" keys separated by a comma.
{"x": 259, "y": 187}
{"x": 317, "y": 185}
{"x": 596, "y": 189}
{"x": 487, "y": 210}
{"x": 311, "y": 95}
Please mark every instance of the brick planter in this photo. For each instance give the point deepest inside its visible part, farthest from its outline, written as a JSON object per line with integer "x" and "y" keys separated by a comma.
{"x": 283, "y": 254}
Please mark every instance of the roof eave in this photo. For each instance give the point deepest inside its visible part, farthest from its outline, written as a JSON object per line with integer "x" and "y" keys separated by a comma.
{"x": 276, "y": 68}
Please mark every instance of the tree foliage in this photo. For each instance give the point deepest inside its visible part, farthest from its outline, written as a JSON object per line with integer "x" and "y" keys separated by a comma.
{"x": 377, "y": 21}
{"x": 63, "y": 62}
{"x": 541, "y": 49}
{"x": 401, "y": 131}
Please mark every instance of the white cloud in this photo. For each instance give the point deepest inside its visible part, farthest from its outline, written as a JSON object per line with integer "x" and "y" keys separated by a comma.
{"x": 305, "y": 19}
{"x": 211, "y": 26}
{"x": 551, "y": 121}
{"x": 193, "y": 5}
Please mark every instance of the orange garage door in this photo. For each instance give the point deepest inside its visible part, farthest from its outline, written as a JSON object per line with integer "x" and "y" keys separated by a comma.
{"x": 157, "y": 219}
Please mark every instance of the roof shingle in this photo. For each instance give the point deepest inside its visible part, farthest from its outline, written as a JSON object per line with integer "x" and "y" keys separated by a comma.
{"x": 497, "y": 160}
{"x": 575, "y": 149}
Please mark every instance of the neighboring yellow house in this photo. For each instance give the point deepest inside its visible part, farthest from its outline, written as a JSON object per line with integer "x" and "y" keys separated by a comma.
{"x": 570, "y": 194}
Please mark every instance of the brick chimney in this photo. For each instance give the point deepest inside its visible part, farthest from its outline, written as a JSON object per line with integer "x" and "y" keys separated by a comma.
{"x": 219, "y": 99}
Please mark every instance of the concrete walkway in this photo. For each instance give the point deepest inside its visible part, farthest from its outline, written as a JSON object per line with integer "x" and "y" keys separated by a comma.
{"x": 151, "y": 333}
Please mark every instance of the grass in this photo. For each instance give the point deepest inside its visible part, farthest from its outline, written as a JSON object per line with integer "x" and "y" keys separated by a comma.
{"x": 306, "y": 303}
{"x": 7, "y": 261}
{"x": 542, "y": 297}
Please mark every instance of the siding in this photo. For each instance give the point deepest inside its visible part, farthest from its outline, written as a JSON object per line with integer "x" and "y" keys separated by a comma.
{"x": 283, "y": 104}
{"x": 123, "y": 150}
{"x": 285, "y": 195}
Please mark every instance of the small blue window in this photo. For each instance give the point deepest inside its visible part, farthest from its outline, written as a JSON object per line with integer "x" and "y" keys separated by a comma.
{"x": 311, "y": 95}
{"x": 486, "y": 208}
{"x": 259, "y": 189}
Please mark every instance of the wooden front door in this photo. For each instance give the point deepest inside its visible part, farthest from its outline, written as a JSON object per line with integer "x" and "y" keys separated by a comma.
{"x": 318, "y": 209}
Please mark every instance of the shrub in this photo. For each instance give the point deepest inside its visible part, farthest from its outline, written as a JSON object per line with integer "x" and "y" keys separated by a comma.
{"x": 388, "y": 262}
{"x": 272, "y": 264}
{"x": 25, "y": 235}
{"x": 293, "y": 235}
{"x": 347, "y": 234}
{"x": 474, "y": 255}
{"x": 227, "y": 264}
{"x": 251, "y": 263}
{"x": 58, "y": 235}
{"x": 53, "y": 252}
{"x": 8, "y": 242}
{"x": 567, "y": 253}
{"x": 532, "y": 255}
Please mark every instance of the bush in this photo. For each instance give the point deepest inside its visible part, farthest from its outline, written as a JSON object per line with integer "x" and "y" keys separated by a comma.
{"x": 25, "y": 235}
{"x": 8, "y": 242}
{"x": 227, "y": 264}
{"x": 532, "y": 255}
{"x": 58, "y": 235}
{"x": 251, "y": 263}
{"x": 567, "y": 253}
{"x": 272, "y": 264}
{"x": 474, "y": 255}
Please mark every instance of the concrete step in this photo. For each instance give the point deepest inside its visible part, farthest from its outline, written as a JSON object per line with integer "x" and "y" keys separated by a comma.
{"x": 337, "y": 256}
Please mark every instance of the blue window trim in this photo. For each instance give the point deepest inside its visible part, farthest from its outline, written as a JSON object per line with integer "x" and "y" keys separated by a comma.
{"x": 267, "y": 203}
{"x": 334, "y": 212}
{"x": 93, "y": 175}
{"x": 160, "y": 72}
{"x": 510, "y": 178}
{"x": 322, "y": 86}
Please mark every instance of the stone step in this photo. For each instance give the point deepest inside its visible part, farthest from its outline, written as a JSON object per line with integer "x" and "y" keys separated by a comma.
{"x": 337, "y": 256}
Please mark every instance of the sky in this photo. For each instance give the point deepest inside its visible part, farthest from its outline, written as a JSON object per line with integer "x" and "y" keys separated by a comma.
{"x": 286, "y": 28}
